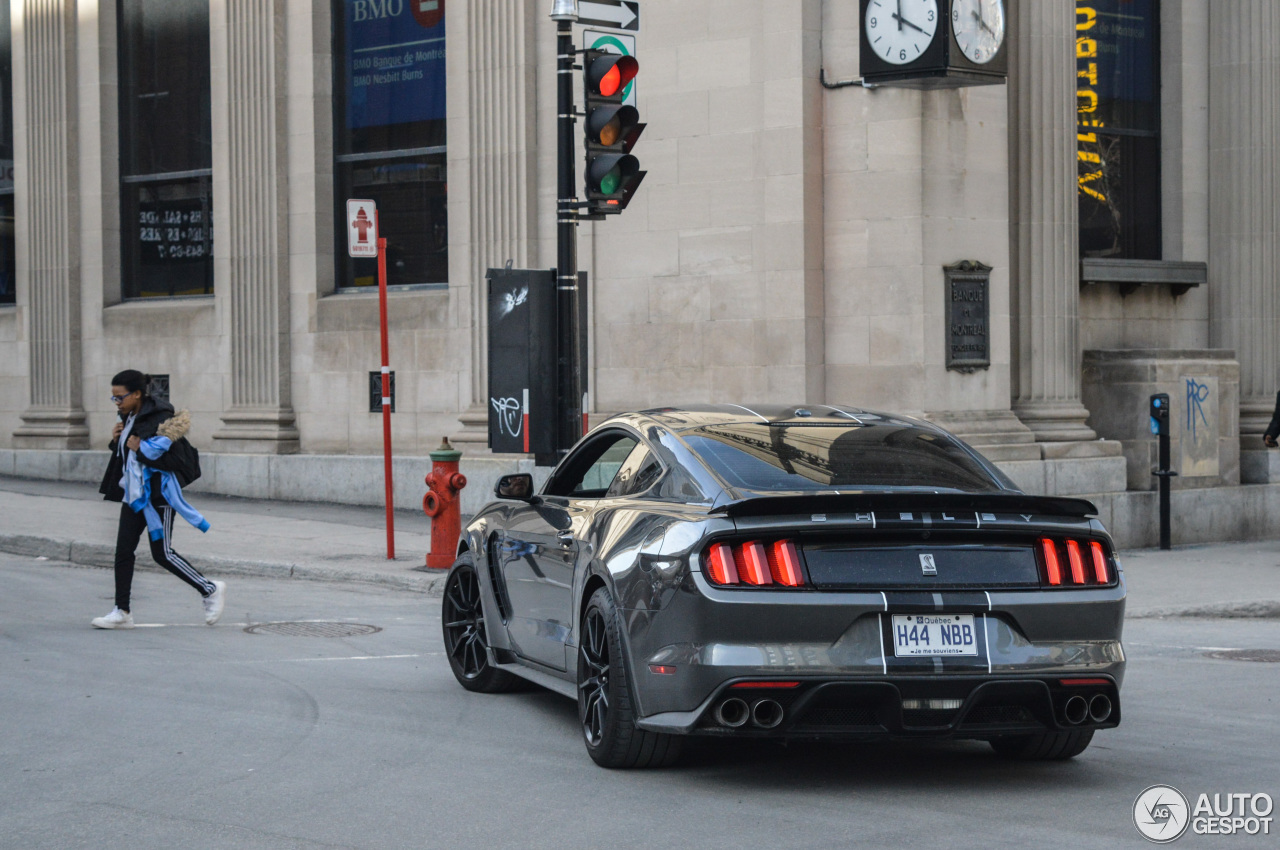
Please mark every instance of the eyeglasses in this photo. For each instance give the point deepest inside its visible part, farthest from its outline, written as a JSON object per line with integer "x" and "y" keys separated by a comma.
{"x": 116, "y": 399}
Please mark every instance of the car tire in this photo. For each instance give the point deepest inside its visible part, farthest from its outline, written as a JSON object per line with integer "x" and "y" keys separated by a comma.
{"x": 466, "y": 639}
{"x": 605, "y": 704}
{"x": 1048, "y": 746}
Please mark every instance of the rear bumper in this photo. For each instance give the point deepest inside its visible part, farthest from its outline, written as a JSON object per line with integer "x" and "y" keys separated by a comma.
{"x": 916, "y": 707}
{"x": 709, "y": 638}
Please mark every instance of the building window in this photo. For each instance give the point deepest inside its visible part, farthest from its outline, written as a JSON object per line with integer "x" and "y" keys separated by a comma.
{"x": 1118, "y": 137}
{"x": 389, "y": 136}
{"x": 8, "y": 266}
{"x": 166, "y": 222}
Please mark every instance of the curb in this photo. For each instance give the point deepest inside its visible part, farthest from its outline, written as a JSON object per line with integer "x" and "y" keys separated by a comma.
{"x": 101, "y": 556}
{"x": 1265, "y": 609}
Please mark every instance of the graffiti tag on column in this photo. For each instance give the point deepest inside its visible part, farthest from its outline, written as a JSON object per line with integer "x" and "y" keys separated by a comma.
{"x": 1197, "y": 395}
{"x": 509, "y": 419}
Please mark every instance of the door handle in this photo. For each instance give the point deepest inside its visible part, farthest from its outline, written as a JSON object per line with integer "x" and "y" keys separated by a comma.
{"x": 566, "y": 540}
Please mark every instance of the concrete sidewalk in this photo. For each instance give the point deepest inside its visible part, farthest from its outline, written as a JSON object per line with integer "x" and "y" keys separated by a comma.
{"x": 68, "y": 522}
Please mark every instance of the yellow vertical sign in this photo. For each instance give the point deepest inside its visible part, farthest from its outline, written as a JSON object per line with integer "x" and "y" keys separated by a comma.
{"x": 1088, "y": 149}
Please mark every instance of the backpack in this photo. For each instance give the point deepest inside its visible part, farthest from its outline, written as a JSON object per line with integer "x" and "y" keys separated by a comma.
{"x": 182, "y": 459}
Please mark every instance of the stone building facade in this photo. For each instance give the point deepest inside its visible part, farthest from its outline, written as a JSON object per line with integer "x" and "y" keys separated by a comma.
{"x": 788, "y": 244}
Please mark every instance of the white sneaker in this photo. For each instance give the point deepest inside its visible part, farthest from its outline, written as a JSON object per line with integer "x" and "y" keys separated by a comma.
{"x": 214, "y": 601}
{"x": 117, "y": 619}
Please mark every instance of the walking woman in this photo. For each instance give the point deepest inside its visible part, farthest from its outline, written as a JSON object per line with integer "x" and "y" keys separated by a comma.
{"x": 141, "y": 421}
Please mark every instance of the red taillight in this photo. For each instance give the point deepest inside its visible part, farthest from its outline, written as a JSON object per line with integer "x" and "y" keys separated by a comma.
{"x": 1077, "y": 563}
{"x": 753, "y": 564}
{"x": 723, "y": 570}
{"x": 765, "y": 685}
{"x": 662, "y": 669}
{"x": 1074, "y": 682}
{"x": 1051, "y": 564}
{"x": 1086, "y": 559}
{"x": 784, "y": 564}
{"x": 1099, "y": 562}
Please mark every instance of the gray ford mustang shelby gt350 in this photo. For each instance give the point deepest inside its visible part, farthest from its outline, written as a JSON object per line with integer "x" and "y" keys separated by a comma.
{"x": 784, "y": 572}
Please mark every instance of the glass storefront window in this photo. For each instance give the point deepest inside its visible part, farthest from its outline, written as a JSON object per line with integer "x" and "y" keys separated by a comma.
{"x": 1118, "y": 132}
{"x": 166, "y": 224}
{"x": 389, "y": 136}
{"x": 8, "y": 266}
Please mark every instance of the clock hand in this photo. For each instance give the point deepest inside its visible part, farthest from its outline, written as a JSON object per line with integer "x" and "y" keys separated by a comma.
{"x": 982, "y": 23}
{"x": 902, "y": 20}
{"x": 898, "y": 15}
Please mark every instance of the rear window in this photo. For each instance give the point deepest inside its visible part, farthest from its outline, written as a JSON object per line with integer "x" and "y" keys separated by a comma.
{"x": 826, "y": 457}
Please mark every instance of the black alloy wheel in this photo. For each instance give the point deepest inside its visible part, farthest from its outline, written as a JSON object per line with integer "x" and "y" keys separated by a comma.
{"x": 465, "y": 640}
{"x": 604, "y": 696}
{"x": 593, "y": 677}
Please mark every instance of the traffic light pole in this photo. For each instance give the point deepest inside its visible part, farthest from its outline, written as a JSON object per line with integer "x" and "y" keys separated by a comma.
{"x": 569, "y": 341}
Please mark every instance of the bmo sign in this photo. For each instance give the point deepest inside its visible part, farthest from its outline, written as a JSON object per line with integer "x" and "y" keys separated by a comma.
{"x": 393, "y": 57}
{"x": 428, "y": 13}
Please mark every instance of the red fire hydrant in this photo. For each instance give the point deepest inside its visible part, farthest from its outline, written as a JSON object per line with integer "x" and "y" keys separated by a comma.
{"x": 443, "y": 503}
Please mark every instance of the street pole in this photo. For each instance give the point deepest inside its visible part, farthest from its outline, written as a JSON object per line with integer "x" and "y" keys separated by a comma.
{"x": 568, "y": 337}
{"x": 386, "y": 399}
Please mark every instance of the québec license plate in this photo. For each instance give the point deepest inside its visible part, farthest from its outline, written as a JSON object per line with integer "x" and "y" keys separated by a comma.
{"x": 934, "y": 634}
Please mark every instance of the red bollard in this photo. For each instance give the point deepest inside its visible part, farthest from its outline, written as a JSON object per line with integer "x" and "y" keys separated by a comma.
{"x": 443, "y": 503}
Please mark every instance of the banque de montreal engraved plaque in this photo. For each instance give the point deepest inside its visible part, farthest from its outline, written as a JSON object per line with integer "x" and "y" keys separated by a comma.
{"x": 968, "y": 315}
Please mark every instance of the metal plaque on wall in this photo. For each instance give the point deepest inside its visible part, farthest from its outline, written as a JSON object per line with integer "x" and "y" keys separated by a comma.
{"x": 968, "y": 315}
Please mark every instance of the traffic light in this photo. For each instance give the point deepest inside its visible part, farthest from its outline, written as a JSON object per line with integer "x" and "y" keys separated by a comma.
{"x": 611, "y": 129}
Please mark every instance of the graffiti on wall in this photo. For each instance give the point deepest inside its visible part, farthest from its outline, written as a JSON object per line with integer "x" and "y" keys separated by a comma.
{"x": 1201, "y": 427}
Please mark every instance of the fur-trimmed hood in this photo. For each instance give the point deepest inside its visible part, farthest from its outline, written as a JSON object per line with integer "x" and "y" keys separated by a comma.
{"x": 176, "y": 427}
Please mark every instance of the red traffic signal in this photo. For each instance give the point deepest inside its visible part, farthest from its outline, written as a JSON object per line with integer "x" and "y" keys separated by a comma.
{"x": 609, "y": 74}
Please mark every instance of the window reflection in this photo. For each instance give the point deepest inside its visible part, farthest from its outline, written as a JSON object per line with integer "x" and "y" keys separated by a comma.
{"x": 1118, "y": 132}
{"x": 389, "y": 135}
{"x": 166, "y": 223}
{"x": 8, "y": 269}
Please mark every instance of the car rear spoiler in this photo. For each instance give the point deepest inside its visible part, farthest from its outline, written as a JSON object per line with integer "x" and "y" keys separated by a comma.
{"x": 1005, "y": 503}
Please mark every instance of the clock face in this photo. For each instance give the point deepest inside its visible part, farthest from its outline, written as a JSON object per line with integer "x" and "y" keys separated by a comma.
{"x": 899, "y": 30}
{"x": 979, "y": 28}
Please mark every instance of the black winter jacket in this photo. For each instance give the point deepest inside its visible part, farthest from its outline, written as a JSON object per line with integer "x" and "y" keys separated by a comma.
{"x": 1273, "y": 430}
{"x": 181, "y": 459}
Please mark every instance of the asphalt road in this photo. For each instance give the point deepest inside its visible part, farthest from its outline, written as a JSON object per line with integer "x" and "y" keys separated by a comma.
{"x": 180, "y": 735}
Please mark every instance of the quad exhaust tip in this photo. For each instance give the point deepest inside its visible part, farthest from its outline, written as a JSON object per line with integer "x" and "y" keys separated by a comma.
{"x": 733, "y": 713}
{"x": 766, "y": 713}
{"x": 1100, "y": 708}
{"x": 1076, "y": 710}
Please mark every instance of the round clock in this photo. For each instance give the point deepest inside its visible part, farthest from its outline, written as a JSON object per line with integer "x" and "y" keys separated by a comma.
{"x": 979, "y": 28}
{"x": 899, "y": 30}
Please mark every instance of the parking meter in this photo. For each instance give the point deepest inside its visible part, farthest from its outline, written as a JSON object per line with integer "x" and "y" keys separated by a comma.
{"x": 1160, "y": 414}
{"x": 1159, "y": 411}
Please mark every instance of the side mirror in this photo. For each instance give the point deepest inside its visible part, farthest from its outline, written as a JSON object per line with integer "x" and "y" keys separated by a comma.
{"x": 518, "y": 487}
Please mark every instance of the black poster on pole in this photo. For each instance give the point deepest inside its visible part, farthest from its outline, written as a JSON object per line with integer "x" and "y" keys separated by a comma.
{"x": 522, "y": 360}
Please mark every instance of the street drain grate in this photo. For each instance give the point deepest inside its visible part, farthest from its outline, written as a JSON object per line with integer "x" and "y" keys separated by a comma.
{"x": 1272, "y": 655}
{"x": 313, "y": 629}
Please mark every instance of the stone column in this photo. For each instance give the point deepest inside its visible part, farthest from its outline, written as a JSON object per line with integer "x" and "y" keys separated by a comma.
{"x": 495, "y": 160}
{"x": 1244, "y": 207}
{"x": 1043, "y": 221}
{"x": 250, "y": 216}
{"x": 48, "y": 204}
